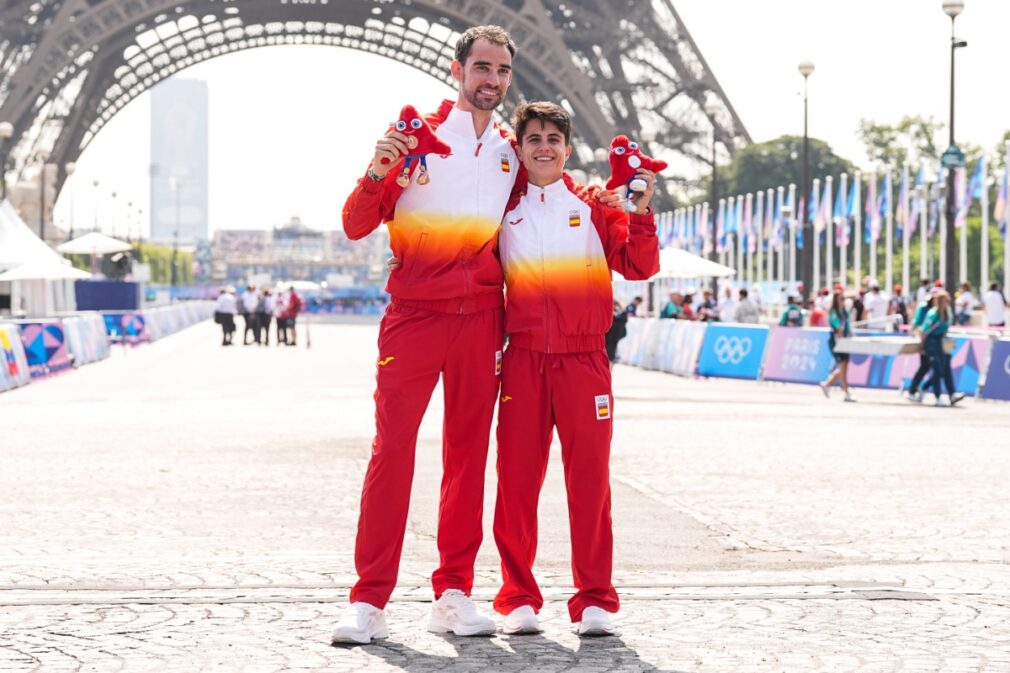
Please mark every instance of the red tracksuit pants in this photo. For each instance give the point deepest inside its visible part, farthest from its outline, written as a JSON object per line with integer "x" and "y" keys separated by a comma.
{"x": 415, "y": 347}
{"x": 541, "y": 391}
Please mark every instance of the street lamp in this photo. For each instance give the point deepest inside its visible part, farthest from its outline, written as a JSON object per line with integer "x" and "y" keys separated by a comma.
{"x": 43, "y": 157}
{"x": 952, "y": 8}
{"x": 176, "y": 184}
{"x": 806, "y": 69}
{"x": 114, "y": 232}
{"x": 6, "y": 132}
{"x": 70, "y": 167}
{"x": 711, "y": 109}
{"x": 94, "y": 184}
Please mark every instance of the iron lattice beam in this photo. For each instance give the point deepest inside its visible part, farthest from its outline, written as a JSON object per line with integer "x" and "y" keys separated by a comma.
{"x": 619, "y": 66}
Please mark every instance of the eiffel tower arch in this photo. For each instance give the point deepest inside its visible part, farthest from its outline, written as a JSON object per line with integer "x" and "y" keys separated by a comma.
{"x": 619, "y": 66}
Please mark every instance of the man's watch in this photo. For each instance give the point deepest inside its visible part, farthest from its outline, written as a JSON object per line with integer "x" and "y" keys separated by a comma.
{"x": 375, "y": 177}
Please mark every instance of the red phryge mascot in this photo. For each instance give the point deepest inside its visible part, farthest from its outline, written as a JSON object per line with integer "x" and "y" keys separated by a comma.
{"x": 625, "y": 160}
{"x": 421, "y": 140}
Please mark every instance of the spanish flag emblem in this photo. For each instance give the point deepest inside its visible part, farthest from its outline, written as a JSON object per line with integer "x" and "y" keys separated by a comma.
{"x": 505, "y": 165}
{"x": 574, "y": 218}
{"x": 602, "y": 407}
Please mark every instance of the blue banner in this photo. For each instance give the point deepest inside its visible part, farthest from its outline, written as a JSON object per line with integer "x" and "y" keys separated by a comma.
{"x": 733, "y": 351}
{"x": 997, "y": 379}
{"x": 798, "y": 355}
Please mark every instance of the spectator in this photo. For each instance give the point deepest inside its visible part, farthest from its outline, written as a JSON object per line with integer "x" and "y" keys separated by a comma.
{"x": 633, "y": 306}
{"x": 224, "y": 315}
{"x": 858, "y": 307}
{"x": 841, "y": 327}
{"x": 618, "y": 330}
{"x": 709, "y": 311}
{"x": 266, "y": 314}
{"x": 280, "y": 308}
{"x": 792, "y": 316}
{"x": 728, "y": 306}
{"x": 964, "y": 305}
{"x": 747, "y": 311}
{"x": 995, "y": 307}
{"x": 672, "y": 308}
{"x": 687, "y": 308}
{"x": 293, "y": 306}
{"x": 898, "y": 305}
{"x": 250, "y": 305}
{"x": 922, "y": 293}
{"x": 877, "y": 306}
{"x": 818, "y": 314}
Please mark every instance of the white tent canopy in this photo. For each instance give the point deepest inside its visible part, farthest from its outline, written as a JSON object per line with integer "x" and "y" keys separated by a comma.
{"x": 677, "y": 263}
{"x": 18, "y": 243}
{"x": 93, "y": 243}
{"x": 44, "y": 270}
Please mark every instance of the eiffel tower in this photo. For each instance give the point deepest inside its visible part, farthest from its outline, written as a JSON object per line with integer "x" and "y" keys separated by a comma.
{"x": 619, "y": 66}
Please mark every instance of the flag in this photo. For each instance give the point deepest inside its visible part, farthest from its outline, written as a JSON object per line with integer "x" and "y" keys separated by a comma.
{"x": 738, "y": 223}
{"x": 901, "y": 216}
{"x": 935, "y": 207}
{"x": 755, "y": 227}
{"x": 872, "y": 211}
{"x": 1002, "y": 209}
{"x": 720, "y": 219}
{"x": 777, "y": 227}
{"x": 918, "y": 203}
{"x": 825, "y": 209}
{"x": 960, "y": 197}
{"x": 838, "y": 218}
{"x": 798, "y": 222}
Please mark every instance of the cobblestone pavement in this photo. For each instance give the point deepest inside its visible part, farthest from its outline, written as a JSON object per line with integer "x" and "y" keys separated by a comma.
{"x": 183, "y": 507}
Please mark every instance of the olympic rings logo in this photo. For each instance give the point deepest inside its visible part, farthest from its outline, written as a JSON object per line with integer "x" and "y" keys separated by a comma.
{"x": 1006, "y": 365}
{"x": 731, "y": 349}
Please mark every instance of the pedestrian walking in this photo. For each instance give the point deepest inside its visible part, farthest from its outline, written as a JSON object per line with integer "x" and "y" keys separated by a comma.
{"x": 224, "y": 315}
{"x": 914, "y": 393}
{"x": 934, "y": 328}
{"x": 266, "y": 314}
{"x": 250, "y": 305}
{"x": 841, "y": 327}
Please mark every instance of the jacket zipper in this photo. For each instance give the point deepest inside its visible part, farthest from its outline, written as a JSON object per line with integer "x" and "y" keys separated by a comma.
{"x": 543, "y": 272}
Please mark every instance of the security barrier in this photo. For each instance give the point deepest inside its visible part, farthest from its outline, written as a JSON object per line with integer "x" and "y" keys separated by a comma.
{"x": 133, "y": 327}
{"x": 997, "y": 378}
{"x": 733, "y": 351}
{"x": 667, "y": 345}
{"x": 798, "y": 355}
{"x": 86, "y": 338}
{"x": 14, "y": 370}
{"x": 45, "y": 346}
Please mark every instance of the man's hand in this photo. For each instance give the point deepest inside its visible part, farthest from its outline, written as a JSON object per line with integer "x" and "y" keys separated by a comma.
{"x": 642, "y": 199}
{"x": 610, "y": 197}
{"x": 388, "y": 151}
{"x": 391, "y": 264}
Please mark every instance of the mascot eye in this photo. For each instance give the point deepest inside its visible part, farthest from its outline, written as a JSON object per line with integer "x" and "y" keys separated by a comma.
{"x": 632, "y": 146}
{"x": 401, "y": 125}
{"x": 618, "y": 150}
{"x": 415, "y": 123}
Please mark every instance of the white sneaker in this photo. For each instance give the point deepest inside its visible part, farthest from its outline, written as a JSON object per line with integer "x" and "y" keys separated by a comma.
{"x": 455, "y": 612}
{"x": 940, "y": 402}
{"x": 361, "y": 623}
{"x": 824, "y": 388}
{"x": 521, "y": 620}
{"x": 595, "y": 622}
{"x": 849, "y": 398}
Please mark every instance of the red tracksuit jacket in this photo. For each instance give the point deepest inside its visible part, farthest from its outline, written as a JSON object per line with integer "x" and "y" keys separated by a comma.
{"x": 444, "y": 232}
{"x": 558, "y": 245}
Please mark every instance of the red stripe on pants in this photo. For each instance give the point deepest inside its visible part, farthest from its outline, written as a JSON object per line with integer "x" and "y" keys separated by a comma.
{"x": 415, "y": 346}
{"x": 541, "y": 391}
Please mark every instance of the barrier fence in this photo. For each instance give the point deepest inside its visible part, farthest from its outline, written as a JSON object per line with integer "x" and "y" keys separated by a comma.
{"x": 980, "y": 364}
{"x": 31, "y": 349}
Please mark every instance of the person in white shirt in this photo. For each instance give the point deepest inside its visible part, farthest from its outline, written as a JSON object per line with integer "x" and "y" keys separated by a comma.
{"x": 280, "y": 305}
{"x": 250, "y": 302}
{"x": 922, "y": 293}
{"x": 877, "y": 305}
{"x": 728, "y": 306}
{"x": 964, "y": 305}
{"x": 746, "y": 310}
{"x": 995, "y": 307}
{"x": 224, "y": 315}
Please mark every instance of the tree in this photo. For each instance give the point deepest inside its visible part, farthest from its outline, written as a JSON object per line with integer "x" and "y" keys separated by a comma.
{"x": 912, "y": 139}
{"x": 775, "y": 163}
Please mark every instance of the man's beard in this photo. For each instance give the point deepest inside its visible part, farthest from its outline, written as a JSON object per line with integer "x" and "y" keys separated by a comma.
{"x": 474, "y": 100}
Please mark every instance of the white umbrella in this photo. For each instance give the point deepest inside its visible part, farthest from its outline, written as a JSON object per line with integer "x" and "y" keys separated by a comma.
{"x": 94, "y": 244}
{"x": 302, "y": 285}
{"x": 44, "y": 270}
{"x": 677, "y": 263}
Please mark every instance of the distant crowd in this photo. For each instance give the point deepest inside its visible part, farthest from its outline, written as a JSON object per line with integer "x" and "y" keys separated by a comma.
{"x": 259, "y": 309}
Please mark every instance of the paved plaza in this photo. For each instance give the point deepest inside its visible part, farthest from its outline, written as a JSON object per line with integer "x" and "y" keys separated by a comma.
{"x": 187, "y": 507}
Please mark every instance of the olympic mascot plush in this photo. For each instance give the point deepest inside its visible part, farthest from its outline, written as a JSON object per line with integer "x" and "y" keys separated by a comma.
{"x": 625, "y": 160}
{"x": 421, "y": 141}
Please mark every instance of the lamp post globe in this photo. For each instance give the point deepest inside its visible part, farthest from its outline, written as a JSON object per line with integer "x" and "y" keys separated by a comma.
{"x": 6, "y": 130}
{"x": 953, "y": 7}
{"x": 806, "y": 68}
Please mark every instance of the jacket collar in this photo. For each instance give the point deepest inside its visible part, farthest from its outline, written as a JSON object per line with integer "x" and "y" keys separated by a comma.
{"x": 460, "y": 122}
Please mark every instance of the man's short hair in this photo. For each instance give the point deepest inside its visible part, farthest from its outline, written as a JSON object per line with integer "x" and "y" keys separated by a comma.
{"x": 544, "y": 111}
{"x": 493, "y": 34}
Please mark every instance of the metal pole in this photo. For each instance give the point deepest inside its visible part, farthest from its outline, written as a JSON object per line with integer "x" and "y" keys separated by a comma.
{"x": 810, "y": 244}
{"x": 923, "y": 230}
{"x": 871, "y": 189}
{"x": 857, "y": 233}
{"x": 814, "y": 242}
{"x": 983, "y": 281}
{"x": 889, "y": 235}
{"x": 714, "y": 207}
{"x": 792, "y": 235}
{"x": 905, "y": 234}
{"x": 843, "y": 244}
{"x": 829, "y": 226}
{"x": 946, "y": 236}
{"x": 950, "y": 244}
{"x": 759, "y": 232}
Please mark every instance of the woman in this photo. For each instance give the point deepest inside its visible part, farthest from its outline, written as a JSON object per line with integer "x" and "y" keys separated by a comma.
{"x": 934, "y": 328}
{"x": 841, "y": 326}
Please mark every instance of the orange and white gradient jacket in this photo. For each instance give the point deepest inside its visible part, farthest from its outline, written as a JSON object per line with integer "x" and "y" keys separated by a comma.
{"x": 558, "y": 246}
{"x": 444, "y": 233}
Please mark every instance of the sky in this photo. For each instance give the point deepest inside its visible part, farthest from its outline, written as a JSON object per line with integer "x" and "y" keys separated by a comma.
{"x": 291, "y": 128}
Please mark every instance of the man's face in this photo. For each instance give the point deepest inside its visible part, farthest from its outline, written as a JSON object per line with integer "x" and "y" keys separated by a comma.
{"x": 485, "y": 77}
{"x": 543, "y": 151}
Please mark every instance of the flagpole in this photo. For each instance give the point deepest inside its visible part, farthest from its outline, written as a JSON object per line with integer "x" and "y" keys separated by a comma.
{"x": 829, "y": 225}
{"x": 871, "y": 187}
{"x": 783, "y": 239}
{"x": 889, "y": 235}
{"x": 792, "y": 235}
{"x": 857, "y": 232}
{"x": 984, "y": 272}
{"x": 923, "y": 228}
{"x": 942, "y": 216}
{"x": 815, "y": 244}
{"x": 759, "y": 232}
{"x": 905, "y": 270}
{"x": 770, "y": 209}
{"x": 962, "y": 251}
{"x": 843, "y": 243}
{"x": 745, "y": 242}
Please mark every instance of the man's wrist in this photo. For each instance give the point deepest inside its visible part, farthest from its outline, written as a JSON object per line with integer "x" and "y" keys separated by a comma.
{"x": 373, "y": 176}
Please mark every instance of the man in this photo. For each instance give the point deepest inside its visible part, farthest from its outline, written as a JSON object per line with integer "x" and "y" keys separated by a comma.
{"x": 634, "y": 306}
{"x": 922, "y": 293}
{"x": 672, "y": 308}
{"x": 964, "y": 305}
{"x": 250, "y": 302}
{"x": 792, "y": 316}
{"x": 444, "y": 319}
{"x": 877, "y": 307}
{"x": 995, "y": 307}
{"x": 728, "y": 306}
{"x": 293, "y": 305}
{"x": 747, "y": 311}
{"x": 558, "y": 247}
{"x": 709, "y": 310}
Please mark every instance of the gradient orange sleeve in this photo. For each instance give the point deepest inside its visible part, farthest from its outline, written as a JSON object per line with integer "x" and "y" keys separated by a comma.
{"x": 629, "y": 240}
